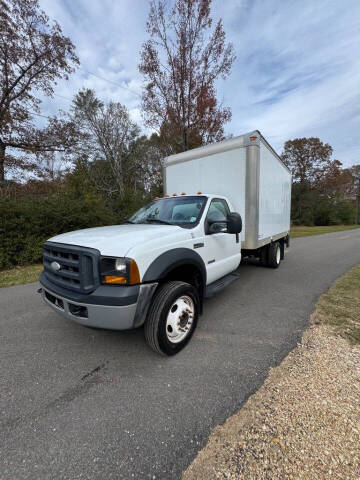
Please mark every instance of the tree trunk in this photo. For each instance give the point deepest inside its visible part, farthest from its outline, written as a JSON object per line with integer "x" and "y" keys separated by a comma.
{"x": 2, "y": 163}
{"x": 185, "y": 139}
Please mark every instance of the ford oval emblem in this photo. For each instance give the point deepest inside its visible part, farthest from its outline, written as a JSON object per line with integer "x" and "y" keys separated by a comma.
{"x": 55, "y": 266}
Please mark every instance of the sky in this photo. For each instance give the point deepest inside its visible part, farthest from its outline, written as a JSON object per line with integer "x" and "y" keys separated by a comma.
{"x": 297, "y": 71}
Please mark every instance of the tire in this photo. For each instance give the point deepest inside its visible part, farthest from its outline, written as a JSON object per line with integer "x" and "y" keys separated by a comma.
{"x": 264, "y": 256}
{"x": 274, "y": 256}
{"x": 166, "y": 331}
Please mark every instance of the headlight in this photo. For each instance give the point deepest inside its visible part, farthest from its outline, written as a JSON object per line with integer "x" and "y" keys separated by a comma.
{"x": 119, "y": 271}
{"x": 120, "y": 265}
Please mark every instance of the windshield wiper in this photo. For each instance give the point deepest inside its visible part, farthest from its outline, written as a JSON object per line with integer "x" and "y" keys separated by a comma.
{"x": 157, "y": 220}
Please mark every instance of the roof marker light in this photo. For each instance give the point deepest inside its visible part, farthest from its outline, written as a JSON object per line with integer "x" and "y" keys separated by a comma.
{"x": 252, "y": 139}
{"x": 199, "y": 193}
{"x": 174, "y": 194}
{"x": 166, "y": 196}
{"x": 183, "y": 193}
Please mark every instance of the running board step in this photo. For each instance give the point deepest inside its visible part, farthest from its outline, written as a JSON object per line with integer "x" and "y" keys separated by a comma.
{"x": 220, "y": 284}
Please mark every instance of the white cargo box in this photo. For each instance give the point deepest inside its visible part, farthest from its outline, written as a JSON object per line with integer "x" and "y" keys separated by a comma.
{"x": 246, "y": 170}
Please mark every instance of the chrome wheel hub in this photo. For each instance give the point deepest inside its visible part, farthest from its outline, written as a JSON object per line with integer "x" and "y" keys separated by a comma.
{"x": 180, "y": 319}
{"x": 278, "y": 255}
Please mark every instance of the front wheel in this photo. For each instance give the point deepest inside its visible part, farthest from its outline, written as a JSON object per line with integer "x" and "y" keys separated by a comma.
{"x": 172, "y": 317}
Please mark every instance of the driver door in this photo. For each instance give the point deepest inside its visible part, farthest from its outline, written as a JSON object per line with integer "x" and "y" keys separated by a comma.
{"x": 222, "y": 253}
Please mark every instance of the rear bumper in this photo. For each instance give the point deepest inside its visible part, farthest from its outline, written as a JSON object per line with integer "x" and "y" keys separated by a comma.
{"x": 129, "y": 314}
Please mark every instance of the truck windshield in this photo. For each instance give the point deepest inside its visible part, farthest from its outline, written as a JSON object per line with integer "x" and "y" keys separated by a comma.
{"x": 182, "y": 211}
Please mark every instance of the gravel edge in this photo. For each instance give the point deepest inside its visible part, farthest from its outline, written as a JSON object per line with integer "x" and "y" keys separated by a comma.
{"x": 303, "y": 423}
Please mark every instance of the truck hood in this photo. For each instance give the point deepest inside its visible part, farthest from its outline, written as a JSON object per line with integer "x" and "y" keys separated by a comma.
{"x": 116, "y": 240}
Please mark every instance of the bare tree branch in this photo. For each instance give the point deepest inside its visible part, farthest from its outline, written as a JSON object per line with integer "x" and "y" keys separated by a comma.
{"x": 33, "y": 55}
{"x": 180, "y": 101}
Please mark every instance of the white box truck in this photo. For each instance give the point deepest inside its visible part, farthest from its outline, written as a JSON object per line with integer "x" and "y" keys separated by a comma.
{"x": 222, "y": 202}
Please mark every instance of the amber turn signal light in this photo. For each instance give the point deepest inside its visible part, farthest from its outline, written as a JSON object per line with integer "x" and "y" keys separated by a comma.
{"x": 134, "y": 274}
{"x": 114, "y": 279}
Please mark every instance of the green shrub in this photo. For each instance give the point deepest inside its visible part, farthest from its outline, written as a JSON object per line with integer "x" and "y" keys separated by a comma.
{"x": 26, "y": 225}
{"x": 344, "y": 212}
{"x": 311, "y": 207}
{"x": 27, "y": 222}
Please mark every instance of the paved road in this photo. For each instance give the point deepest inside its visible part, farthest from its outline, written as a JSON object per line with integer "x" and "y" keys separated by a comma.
{"x": 77, "y": 403}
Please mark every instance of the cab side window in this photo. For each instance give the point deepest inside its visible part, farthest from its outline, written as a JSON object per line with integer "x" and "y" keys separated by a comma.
{"x": 218, "y": 211}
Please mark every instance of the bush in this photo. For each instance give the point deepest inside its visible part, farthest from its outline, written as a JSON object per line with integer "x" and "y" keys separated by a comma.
{"x": 344, "y": 212}
{"x": 35, "y": 211}
{"x": 35, "y": 215}
{"x": 323, "y": 213}
{"x": 25, "y": 226}
{"x": 310, "y": 207}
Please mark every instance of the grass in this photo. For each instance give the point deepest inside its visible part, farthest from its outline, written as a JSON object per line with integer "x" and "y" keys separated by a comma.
{"x": 303, "y": 231}
{"x": 20, "y": 275}
{"x": 340, "y": 306}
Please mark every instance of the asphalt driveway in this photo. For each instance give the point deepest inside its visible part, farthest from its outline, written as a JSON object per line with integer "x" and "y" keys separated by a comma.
{"x": 77, "y": 403}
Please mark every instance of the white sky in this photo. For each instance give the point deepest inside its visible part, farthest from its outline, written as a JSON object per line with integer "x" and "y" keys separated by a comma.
{"x": 297, "y": 71}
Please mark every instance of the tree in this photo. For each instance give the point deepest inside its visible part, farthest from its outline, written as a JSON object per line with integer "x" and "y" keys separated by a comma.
{"x": 321, "y": 192}
{"x": 307, "y": 158}
{"x": 180, "y": 64}
{"x": 110, "y": 142}
{"x": 149, "y": 170}
{"x": 34, "y": 54}
{"x": 352, "y": 181}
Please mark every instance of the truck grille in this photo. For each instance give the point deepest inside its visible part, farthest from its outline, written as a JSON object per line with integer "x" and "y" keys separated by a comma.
{"x": 78, "y": 266}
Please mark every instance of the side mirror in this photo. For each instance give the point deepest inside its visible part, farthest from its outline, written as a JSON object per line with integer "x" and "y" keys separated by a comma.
{"x": 234, "y": 223}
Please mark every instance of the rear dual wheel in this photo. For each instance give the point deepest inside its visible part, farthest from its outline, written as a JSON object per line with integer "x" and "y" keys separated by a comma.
{"x": 172, "y": 317}
{"x": 270, "y": 256}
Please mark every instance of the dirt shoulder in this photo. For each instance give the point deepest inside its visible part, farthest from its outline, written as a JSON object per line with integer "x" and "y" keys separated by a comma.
{"x": 304, "y": 422}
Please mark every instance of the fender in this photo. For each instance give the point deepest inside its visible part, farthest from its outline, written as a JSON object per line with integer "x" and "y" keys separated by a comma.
{"x": 171, "y": 259}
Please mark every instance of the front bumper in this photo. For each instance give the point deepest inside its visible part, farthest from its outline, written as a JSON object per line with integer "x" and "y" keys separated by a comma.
{"x": 109, "y": 314}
